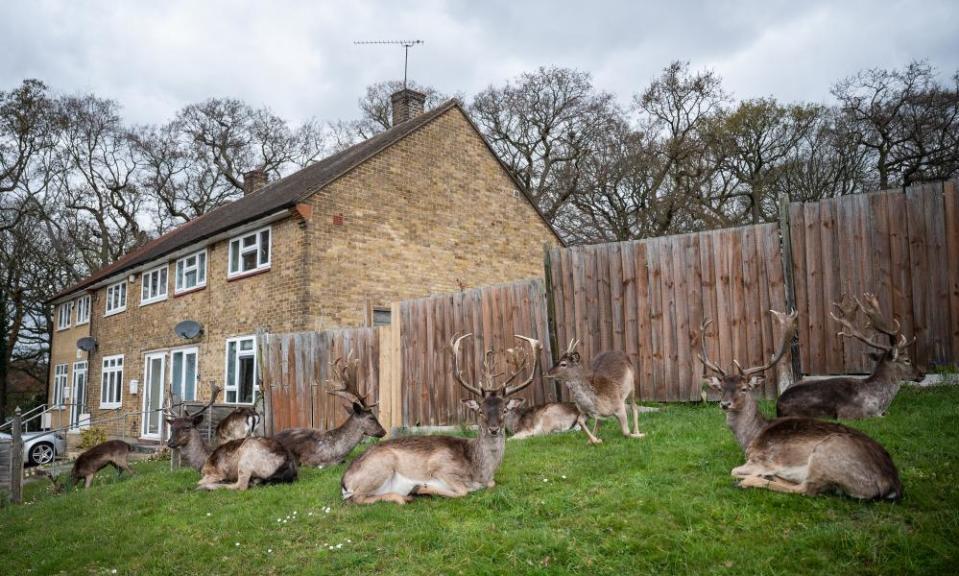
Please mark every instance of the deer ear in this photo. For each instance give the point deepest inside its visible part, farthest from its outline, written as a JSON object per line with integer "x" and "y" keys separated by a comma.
{"x": 357, "y": 408}
{"x": 574, "y": 357}
{"x": 514, "y": 403}
{"x": 197, "y": 419}
{"x": 755, "y": 381}
{"x": 472, "y": 405}
{"x": 714, "y": 383}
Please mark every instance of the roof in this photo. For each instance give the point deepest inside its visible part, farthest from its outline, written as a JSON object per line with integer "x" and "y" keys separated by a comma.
{"x": 280, "y": 195}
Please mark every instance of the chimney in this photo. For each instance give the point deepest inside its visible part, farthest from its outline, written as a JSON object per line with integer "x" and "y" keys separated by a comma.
{"x": 407, "y": 104}
{"x": 253, "y": 181}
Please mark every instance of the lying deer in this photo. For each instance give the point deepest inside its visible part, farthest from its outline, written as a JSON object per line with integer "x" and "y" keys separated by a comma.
{"x": 240, "y": 423}
{"x": 238, "y": 463}
{"x": 798, "y": 455}
{"x": 313, "y": 447}
{"x": 542, "y": 420}
{"x": 114, "y": 453}
{"x": 185, "y": 433}
{"x": 601, "y": 391}
{"x": 394, "y": 470}
{"x": 852, "y": 398}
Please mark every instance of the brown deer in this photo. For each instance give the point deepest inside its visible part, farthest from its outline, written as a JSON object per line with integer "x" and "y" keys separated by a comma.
{"x": 185, "y": 433}
{"x": 317, "y": 448}
{"x": 853, "y": 398}
{"x": 394, "y": 470}
{"x": 541, "y": 420}
{"x": 784, "y": 372}
{"x": 111, "y": 452}
{"x": 601, "y": 391}
{"x": 238, "y": 463}
{"x": 240, "y": 423}
{"x": 798, "y": 455}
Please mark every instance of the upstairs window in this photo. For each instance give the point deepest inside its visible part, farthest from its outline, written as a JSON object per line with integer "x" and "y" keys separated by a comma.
{"x": 116, "y": 298}
{"x": 59, "y": 384}
{"x": 64, "y": 312}
{"x": 191, "y": 272}
{"x": 241, "y": 370}
{"x": 249, "y": 253}
{"x": 153, "y": 285}
{"x": 111, "y": 382}
{"x": 83, "y": 310}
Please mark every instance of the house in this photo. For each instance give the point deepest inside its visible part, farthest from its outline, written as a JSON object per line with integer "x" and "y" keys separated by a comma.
{"x": 422, "y": 208}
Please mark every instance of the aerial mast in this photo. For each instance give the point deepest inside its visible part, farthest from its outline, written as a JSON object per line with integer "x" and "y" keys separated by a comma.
{"x": 406, "y": 44}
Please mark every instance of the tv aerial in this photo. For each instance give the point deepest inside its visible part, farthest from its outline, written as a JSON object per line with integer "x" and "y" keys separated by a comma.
{"x": 406, "y": 44}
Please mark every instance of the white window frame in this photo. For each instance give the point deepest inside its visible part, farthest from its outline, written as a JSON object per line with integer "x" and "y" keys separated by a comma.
{"x": 232, "y": 387}
{"x": 60, "y": 376}
{"x": 179, "y": 274}
{"x": 64, "y": 315}
{"x": 196, "y": 372}
{"x": 115, "y": 369}
{"x": 111, "y": 290}
{"x": 161, "y": 277}
{"x": 83, "y": 306}
{"x": 236, "y": 246}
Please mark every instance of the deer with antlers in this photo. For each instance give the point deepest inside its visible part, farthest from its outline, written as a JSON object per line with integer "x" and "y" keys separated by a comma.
{"x": 313, "y": 447}
{"x": 601, "y": 391}
{"x": 853, "y": 398}
{"x": 798, "y": 455}
{"x": 447, "y": 466}
{"x": 185, "y": 433}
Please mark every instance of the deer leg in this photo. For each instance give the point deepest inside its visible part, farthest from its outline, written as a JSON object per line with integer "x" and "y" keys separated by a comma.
{"x": 592, "y": 437}
{"x": 595, "y": 425}
{"x": 623, "y": 418}
{"x": 446, "y": 491}
{"x": 636, "y": 432}
{"x": 388, "y": 497}
{"x": 775, "y": 484}
{"x": 242, "y": 481}
{"x": 88, "y": 480}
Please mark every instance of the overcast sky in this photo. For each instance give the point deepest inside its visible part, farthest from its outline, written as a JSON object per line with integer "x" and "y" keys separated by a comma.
{"x": 298, "y": 58}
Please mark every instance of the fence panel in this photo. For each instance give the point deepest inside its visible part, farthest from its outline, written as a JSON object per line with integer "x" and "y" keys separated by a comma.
{"x": 493, "y": 314}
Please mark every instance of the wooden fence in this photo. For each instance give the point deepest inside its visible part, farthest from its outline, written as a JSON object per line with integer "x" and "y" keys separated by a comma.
{"x": 649, "y": 298}
{"x": 902, "y": 246}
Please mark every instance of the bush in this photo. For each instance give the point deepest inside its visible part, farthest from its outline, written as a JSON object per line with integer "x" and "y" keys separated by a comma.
{"x": 91, "y": 437}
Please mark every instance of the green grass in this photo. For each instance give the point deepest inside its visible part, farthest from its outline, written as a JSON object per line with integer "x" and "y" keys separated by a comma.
{"x": 664, "y": 504}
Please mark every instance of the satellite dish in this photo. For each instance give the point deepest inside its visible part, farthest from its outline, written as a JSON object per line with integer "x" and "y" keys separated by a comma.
{"x": 87, "y": 344}
{"x": 188, "y": 329}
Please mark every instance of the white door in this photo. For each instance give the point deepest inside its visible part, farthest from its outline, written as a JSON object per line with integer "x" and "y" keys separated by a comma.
{"x": 154, "y": 366}
{"x": 78, "y": 396}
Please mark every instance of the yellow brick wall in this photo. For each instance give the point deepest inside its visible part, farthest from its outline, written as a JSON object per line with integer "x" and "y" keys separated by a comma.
{"x": 65, "y": 351}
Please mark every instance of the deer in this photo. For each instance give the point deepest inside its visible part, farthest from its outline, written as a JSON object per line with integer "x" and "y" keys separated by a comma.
{"x": 111, "y": 452}
{"x": 541, "y": 420}
{"x": 601, "y": 391}
{"x": 313, "y": 447}
{"x": 784, "y": 373}
{"x": 853, "y": 398}
{"x": 238, "y": 463}
{"x": 240, "y": 423}
{"x": 447, "y": 466}
{"x": 185, "y": 433}
{"x": 797, "y": 455}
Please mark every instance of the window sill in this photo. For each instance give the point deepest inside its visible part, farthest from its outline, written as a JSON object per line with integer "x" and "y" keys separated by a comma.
{"x": 110, "y": 406}
{"x": 65, "y": 328}
{"x": 115, "y": 312}
{"x": 84, "y": 323}
{"x": 189, "y": 291}
{"x": 242, "y": 275}
{"x": 154, "y": 301}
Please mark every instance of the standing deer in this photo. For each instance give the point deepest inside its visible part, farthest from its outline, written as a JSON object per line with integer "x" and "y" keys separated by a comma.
{"x": 316, "y": 448}
{"x": 853, "y": 398}
{"x": 798, "y": 455}
{"x": 394, "y": 470}
{"x": 542, "y": 420}
{"x": 111, "y": 452}
{"x": 601, "y": 391}
{"x": 185, "y": 433}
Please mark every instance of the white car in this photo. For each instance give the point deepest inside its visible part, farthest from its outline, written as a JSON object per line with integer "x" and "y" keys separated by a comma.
{"x": 40, "y": 447}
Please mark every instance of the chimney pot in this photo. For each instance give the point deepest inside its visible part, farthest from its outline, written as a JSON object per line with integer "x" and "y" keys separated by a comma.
{"x": 253, "y": 181}
{"x": 407, "y": 104}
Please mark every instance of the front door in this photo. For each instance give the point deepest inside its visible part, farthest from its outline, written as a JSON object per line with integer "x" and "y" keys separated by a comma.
{"x": 78, "y": 396}
{"x": 154, "y": 366}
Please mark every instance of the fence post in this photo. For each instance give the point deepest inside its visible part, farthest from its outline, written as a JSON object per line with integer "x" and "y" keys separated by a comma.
{"x": 551, "y": 312}
{"x": 266, "y": 387}
{"x": 16, "y": 459}
{"x": 790, "y": 283}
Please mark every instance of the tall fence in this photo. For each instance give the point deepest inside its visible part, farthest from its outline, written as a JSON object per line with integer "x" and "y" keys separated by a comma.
{"x": 902, "y": 246}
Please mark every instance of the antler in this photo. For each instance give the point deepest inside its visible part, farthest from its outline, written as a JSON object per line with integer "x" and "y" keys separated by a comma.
{"x": 535, "y": 347}
{"x": 703, "y": 357}
{"x": 214, "y": 391}
{"x": 457, "y": 371}
{"x": 342, "y": 380}
{"x": 870, "y": 307}
{"x": 573, "y": 343}
{"x": 789, "y": 331}
{"x": 850, "y": 330}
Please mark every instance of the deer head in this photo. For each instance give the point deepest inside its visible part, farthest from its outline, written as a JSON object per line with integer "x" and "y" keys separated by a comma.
{"x": 342, "y": 383}
{"x": 735, "y": 386}
{"x": 894, "y": 352}
{"x": 495, "y": 403}
{"x": 180, "y": 426}
{"x": 569, "y": 364}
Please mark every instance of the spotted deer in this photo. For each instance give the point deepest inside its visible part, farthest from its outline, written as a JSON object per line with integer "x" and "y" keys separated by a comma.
{"x": 601, "y": 391}
{"x": 317, "y": 448}
{"x": 447, "y": 466}
{"x": 853, "y": 398}
{"x": 541, "y": 420}
{"x": 185, "y": 433}
{"x": 798, "y": 455}
{"x": 114, "y": 453}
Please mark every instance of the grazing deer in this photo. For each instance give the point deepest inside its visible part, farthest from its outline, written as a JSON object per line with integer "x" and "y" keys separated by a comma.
{"x": 111, "y": 452}
{"x": 185, "y": 433}
{"x": 447, "y": 466}
{"x": 542, "y": 420}
{"x": 798, "y": 455}
{"x": 853, "y": 398}
{"x": 237, "y": 463}
{"x": 601, "y": 391}
{"x": 316, "y": 448}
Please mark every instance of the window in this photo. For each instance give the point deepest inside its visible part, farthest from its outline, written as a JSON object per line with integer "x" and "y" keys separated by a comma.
{"x": 153, "y": 285}
{"x": 83, "y": 310}
{"x": 116, "y": 298}
{"x": 64, "y": 312}
{"x": 59, "y": 384}
{"x": 111, "y": 381}
{"x": 79, "y": 395}
{"x": 381, "y": 316}
{"x": 191, "y": 272}
{"x": 184, "y": 374}
{"x": 241, "y": 370}
{"x": 250, "y": 253}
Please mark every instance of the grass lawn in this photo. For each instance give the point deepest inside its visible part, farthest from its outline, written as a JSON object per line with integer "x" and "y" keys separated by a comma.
{"x": 665, "y": 504}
